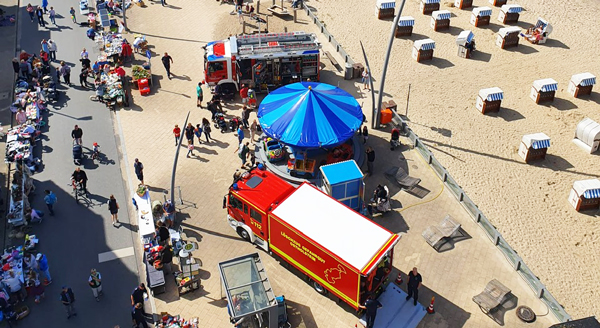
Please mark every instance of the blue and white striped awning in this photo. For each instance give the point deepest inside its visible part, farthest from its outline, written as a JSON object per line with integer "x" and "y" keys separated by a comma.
{"x": 592, "y": 193}
{"x": 483, "y": 11}
{"x": 541, "y": 23}
{"x": 495, "y": 96}
{"x": 406, "y": 21}
{"x": 426, "y": 44}
{"x": 427, "y": 2}
{"x": 512, "y": 9}
{"x": 386, "y": 4}
{"x": 583, "y": 79}
{"x": 442, "y": 15}
{"x": 588, "y": 82}
{"x": 540, "y": 144}
{"x": 549, "y": 87}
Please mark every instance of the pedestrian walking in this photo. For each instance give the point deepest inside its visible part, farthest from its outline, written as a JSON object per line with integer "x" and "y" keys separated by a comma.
{"x": 83, "y": 77}
{"x": 251, "y": 97}
{"x": 163, "y": 3}
{"x": 206, "y": 129}
{"x": 52, "y": 15}
{"x": 240, "y": 13}
{"x": 139, "y": 170}
{"x": 365, "y": 134}
{"x": 240, "y": 134}
{"x": 198, "y": 132}
{"x": 30, "y": 11}
{"x": 39, "y": 13}
{"x": 167, "y": 60}
{"x": 244, "y": 94}
{"x": 50, "y": 199}
{"x": 370, "y": 160}
{"x": 189, "y": 134}
{"x": 137, "y": 314}
{"x": 246, "y": 117}
{"x": 366, "y": 78}
{"x": 52, "y": 49}
{"x": 72, "y": 12}
{"x": 65, "y": 71}
{"x": 113, "y": 208}
{"x": 44, "y": 45}
{"x": 199, "y": 94}
{"x": 67, "y": 297}
{"x": 139, "y": 295}
{"x": 371, "y": 306}
{"x": 414, "y": 282}
{"x": 242, "y": 151}
{"x": 84, "y": 54}
{"x": 95, "y": 282}
{"x": 253, "y": 129}
{"x": 77, "y": 134}
{"x": 44, "y": 268}
{"x": 177, "y": 134}
{"x": 45, "y": 5}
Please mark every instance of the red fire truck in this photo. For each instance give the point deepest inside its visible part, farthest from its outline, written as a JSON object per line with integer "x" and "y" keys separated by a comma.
{"x": 265, "y": 60}
{"x": 338, "y": 249}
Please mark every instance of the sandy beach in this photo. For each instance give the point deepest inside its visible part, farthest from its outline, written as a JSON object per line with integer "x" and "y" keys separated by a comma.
{"x": 527, "y": 203}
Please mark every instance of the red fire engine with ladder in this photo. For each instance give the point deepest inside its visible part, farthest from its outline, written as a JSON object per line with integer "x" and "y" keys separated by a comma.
{"x": 264, "y": 60}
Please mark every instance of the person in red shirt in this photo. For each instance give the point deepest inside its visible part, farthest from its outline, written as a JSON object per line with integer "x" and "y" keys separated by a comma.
{"x": 126, "y": 50}
{"x": 120, "y": 71}
{"x": 44, "y": 57}
{"x": 244, "y": 94}
{"x": 177, "y": 133}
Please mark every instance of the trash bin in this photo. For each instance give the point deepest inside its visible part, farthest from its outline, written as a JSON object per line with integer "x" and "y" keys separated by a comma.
{"x": 349, "y": 73}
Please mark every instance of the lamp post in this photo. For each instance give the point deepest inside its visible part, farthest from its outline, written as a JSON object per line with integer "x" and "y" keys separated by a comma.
{"x": 175, "y": 161}
{"x": 377, "y": 110}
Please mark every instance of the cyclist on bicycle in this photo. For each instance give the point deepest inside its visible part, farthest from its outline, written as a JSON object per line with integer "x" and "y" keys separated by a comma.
{"x": 80, "y": 178}
{"x": 96, "y": 152}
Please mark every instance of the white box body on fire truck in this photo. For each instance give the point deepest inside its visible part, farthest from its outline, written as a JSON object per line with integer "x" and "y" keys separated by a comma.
{"x": 264, "y": 60}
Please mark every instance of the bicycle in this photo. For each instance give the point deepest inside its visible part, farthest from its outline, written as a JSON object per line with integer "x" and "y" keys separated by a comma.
{"x": 96, "y": 152}
{"x": 77, "y": 189}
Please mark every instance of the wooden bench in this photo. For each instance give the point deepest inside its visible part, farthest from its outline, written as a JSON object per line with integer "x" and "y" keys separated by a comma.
{"x": 439, "y": 234}
{"x": 278, "y": 11}
{"x": 332, "y": 60}
{"x": 494, "y": 294}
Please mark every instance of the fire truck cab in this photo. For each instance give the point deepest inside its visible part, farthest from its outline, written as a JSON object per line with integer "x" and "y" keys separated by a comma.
{"x": 264, "y": 60}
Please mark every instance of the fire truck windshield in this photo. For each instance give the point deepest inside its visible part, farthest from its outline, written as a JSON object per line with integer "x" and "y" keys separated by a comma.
{"x": 215, "y": 67}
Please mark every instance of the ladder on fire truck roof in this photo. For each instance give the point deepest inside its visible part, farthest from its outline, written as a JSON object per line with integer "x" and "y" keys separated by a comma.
{"x": 272, "y": 48}
{"x": 251, "y": 39}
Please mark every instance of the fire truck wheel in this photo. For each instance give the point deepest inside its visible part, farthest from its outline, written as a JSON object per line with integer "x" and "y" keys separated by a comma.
{"x": 320, "y": 289}
{"x": 243, "y": 233}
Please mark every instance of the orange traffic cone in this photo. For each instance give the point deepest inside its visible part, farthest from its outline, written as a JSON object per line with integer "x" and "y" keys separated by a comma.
{"x": 399, "y": 279}
{"x": 430, "y": 308}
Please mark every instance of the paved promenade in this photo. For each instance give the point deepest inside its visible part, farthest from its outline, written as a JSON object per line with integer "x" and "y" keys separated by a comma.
{"x": 453, "y": 277}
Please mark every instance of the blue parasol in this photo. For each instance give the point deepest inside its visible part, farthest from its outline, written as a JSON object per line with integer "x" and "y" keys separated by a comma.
{"x": 310, "y": 115}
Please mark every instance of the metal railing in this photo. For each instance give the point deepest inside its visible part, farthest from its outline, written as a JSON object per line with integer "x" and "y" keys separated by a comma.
{"x": 490, "y": 230}
{"x": 329, "y": 36}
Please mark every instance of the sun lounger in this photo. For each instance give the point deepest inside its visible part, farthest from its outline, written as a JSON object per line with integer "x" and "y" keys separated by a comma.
{"x": 400, "y": 177}
{"x": 494, "y": 294}
{"x": 439, "y": 234}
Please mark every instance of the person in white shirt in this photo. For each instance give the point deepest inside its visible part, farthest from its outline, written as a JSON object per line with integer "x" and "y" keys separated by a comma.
{"x": 84, "y": 54}
{"x": 52, "y": 49}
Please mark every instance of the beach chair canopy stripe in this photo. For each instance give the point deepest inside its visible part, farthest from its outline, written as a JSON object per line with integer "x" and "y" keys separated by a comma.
{"x": 541, "y": 23}
{"x": 430, "y": 1}
{"x": 550, "y": 87}
{"x": 441, "y": 14}
{"x": 545, "y": 85}
{"x": 491, "y": 94}
{"x": 464, "y": 37}
{"x": 591, "y": 194}
{"x": 583, "y": 79}
{"x": 406, "y": 21}
{"x": 588, "y": 188}
{"x": 385, "y": 4}
{"x": 540, "y": 144}
{"x": 512, "y": 9}
{"x": 426, "y": 44}
{"x": 508, "y": 30}
{"x": 588, "y": 82}
{"x": 482, "y": 11}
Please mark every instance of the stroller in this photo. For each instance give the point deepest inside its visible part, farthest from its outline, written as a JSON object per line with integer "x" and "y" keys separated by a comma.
{"x": 49, "y": 88}
{"x": 395, "y": 140}
{"x": 234, "y": 123}
{"x": 77, "y": 154}
{"x": 219, "y": 122}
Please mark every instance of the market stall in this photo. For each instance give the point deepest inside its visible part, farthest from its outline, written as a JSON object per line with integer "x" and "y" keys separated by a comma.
{"x": 251, "y": 301}
{"x": 428, "y": 6}
{"x": 344, "y": 181}
{"x": 20, "y": 189}
{"x": 405, "y": 26}
{"x": 466, "y": 44}
{"x": 187, "y": 279}
{"x": 581, "y": 84}
{"x": 534, "y": 147}
{"x": 587, "y": 135}
{"x": 480, "y": 16}
{"x": 385, "y": 8}
{"x": 543, "y": 90}
{"x": 440, "y": 20}
{"x": 423, "y": 50}
{"x": 110, "y": 90}
{"x": 508, "y": 37}
{"x": 139, "y": 73}
{"x": 489, "y": 100}
{"x": 585, "y": 195}
{"x": 169, "y": 321}
{"x": 111, "y": 46}
{"x": 463, "y": 4}
{"x": 509, "y": 13}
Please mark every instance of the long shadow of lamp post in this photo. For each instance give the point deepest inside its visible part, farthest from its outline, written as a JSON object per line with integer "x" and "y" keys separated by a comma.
{"x": 377, "y": 109}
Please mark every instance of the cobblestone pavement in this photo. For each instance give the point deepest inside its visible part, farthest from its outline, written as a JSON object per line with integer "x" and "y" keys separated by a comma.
{"x": 453, "y": 277}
